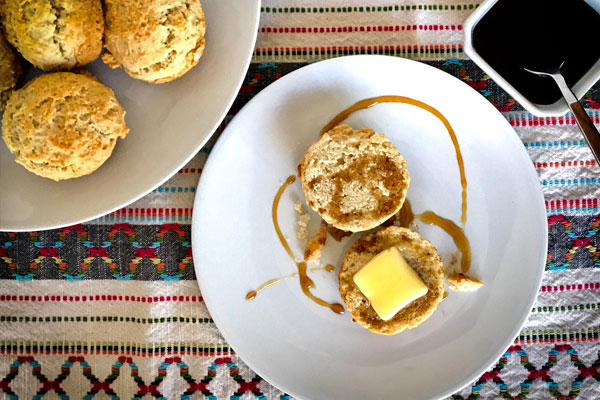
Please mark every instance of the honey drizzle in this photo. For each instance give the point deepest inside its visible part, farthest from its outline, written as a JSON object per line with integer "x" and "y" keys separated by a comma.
{"x": 284, "y": 242}
{"x": 305, "y": 282}
{"x": 456, "y": 233}
{"x": 405, "y": 217}
{"x": 252, "y": 294}
{"x": 366, "y": 103}
{"x": 336, "y": 233}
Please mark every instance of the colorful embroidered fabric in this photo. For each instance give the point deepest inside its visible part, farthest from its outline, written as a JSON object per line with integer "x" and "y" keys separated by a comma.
{"x": 111, "y": 307}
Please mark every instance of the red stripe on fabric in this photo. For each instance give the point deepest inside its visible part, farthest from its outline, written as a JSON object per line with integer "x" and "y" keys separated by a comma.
{"x": 346, "y": 48}
{"x": 571, "y": 203}
{"x": 100, "y": 297}
{"x": 190, "y": 171}
{"x": 371, "y": 28}
{"x": 565, "y": 164}
{"x": 516, "y": 120}
{"x": 142, "y": 212}
{"x": 567, "y": 288}
{"x": 556, "y": 340}
{"x": 117, "y": 352}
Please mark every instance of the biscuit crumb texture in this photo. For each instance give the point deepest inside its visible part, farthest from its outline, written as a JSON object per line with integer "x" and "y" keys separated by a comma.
{"x": 460, "y": 282}
{"x": 419, "y": 254}
{"x": 54, "y": 34}
{"x": 155, "y": 41}
{"x": 10, "y": 71}
{"x": 63, "y": 125}
{"x": 312, "y": 253}
{"x": 303, "y": 220}
{"x": 355, "y": 179}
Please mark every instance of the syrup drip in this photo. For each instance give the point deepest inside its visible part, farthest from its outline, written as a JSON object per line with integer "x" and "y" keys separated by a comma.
{"x": 252, "y": 294}
{"x": 405, "y": 217}
{"x": 456, "y": 233}
{"x": 305, "y": 282}
{"x": 366, "y": 103}
{"x": 336, "y": 233}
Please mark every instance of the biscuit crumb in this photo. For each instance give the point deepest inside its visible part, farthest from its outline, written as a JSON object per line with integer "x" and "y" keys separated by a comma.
{"x": 316, "y": 244}
{"x": 110, "y": 60}
{"x": 460, "y": 282}
{"x": 303, "y": 220}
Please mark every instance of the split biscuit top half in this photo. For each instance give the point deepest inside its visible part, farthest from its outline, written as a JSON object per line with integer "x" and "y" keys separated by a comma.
{"x": 355, "y": 179}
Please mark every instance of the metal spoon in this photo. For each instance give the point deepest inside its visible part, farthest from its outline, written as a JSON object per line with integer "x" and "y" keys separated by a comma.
{"x": 583, "y": 119}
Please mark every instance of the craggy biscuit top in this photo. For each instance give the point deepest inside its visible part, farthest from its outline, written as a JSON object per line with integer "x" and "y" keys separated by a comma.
{"x": 54, "y": 34}
{"x": 355, "y": 179}
{"x": 10, "y": 71}
{"x": 63, "y": 125}
{"x": 155, "y": 41}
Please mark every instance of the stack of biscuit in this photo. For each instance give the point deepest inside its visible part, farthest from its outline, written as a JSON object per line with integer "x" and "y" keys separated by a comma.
{"x": 65, "y": 124}
{"x": 356, "y": 180}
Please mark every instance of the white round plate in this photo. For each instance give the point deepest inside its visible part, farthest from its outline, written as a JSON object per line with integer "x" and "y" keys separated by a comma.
{"x": 307, "y": 350}
{"x": 169, "y": 123}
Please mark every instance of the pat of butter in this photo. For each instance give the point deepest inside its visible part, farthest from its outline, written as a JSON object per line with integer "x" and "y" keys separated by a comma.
{"x": 389, "y": 283}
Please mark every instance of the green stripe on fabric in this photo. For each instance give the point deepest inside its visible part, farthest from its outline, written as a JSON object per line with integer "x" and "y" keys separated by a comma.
{"x": 560, "y": 332}
{"x": 363, "y": 9}
{"x": 105, "y": 318}
{"x": 313, "y": 54}
{"x": 147, "y": 348}
{"x": 573, "y": 307}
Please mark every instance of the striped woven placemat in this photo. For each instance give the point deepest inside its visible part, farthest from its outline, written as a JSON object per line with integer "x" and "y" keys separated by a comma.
{"x": 111, "y": 307}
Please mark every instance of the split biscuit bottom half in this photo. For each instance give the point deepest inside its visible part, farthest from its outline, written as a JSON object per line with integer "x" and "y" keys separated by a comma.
{"x": 420, "y": 254}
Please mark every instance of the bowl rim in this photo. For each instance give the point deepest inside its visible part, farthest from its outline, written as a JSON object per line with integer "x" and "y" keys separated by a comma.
{"x": 92, "y": 216}
{"x": 557, "y": 108}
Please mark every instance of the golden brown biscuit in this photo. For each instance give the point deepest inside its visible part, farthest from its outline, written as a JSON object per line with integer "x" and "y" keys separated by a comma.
{"x": 155, "y": 41}
{"x": 54, "y": 34}
{"x": 355, "y": 179}
{"x": 10, "y": 71}
{"x": 63, "y": 125}
{"x": 420, "y": 255}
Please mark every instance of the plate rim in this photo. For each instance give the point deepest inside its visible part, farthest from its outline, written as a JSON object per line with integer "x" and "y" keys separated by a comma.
{"x": 530, "y": 171}
{"x": 34, "y": 226}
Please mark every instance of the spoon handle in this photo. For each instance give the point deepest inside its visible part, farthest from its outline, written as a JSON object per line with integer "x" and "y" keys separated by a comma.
{"x": 587, "y": 127}
{"x": 583, "y": 119}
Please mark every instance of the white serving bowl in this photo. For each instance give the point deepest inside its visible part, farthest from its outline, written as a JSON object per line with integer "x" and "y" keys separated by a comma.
{"x": 557, "y": 108}
{"x": 169, "y": 123}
